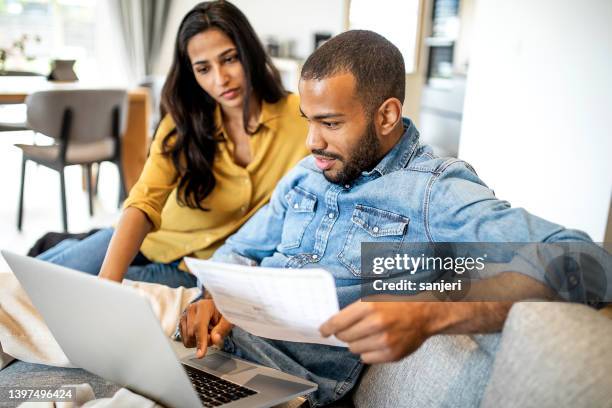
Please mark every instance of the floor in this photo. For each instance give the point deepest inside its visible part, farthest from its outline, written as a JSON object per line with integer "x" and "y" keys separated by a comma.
{"x": 42, "y": 204}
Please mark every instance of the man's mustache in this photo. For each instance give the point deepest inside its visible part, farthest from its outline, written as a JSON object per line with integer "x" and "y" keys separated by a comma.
{"x": 323, "y": 153}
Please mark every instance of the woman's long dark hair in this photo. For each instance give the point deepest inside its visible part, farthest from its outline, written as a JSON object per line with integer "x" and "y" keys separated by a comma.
{"x": 192, "y": 145}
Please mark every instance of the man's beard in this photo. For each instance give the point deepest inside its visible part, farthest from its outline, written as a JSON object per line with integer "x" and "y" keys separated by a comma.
{"x": 363, "y": 158}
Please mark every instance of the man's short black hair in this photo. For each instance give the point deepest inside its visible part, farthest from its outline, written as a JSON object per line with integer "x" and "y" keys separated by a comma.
{"x": 376, "y": 64}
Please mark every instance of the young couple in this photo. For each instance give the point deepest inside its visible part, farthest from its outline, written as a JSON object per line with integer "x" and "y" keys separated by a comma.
{"x": 228, "y": 179}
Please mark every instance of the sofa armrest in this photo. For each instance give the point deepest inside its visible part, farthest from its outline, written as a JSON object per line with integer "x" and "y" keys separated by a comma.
{"x": 552, "y": 355}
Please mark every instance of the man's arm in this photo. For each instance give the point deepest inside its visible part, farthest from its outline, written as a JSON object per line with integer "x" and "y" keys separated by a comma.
{"x": 386, "y": 329}
{"x": 459, "y": 208}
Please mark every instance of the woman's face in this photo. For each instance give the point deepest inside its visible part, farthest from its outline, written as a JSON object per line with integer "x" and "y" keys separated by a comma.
{"x": 215, "y": 64}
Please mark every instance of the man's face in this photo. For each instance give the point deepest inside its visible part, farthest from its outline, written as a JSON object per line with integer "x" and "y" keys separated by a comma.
{"x": 341, "y": 137}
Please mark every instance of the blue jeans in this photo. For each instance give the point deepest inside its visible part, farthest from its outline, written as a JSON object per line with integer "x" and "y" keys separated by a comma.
{"x": 335, "y": 369}
{"x": 87, "y": 256}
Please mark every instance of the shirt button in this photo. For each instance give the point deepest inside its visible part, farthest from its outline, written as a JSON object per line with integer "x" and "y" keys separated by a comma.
{"x": 330, "y": 215}
{"x": 347, "y": 186}
{"x": 375, "y": 229}
{"x": 296, "y": 206}
{"x": 315, "y": 256}
{"x": 243, "y": 208}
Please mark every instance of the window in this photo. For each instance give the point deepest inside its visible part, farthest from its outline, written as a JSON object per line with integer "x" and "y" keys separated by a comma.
{"x": 54, "y": 29}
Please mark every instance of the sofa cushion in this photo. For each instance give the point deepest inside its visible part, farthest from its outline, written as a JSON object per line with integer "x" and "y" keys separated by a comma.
{"x": 445, "y": 371}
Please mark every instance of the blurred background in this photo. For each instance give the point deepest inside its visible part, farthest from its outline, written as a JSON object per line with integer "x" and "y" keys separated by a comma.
{"x": 520, "y": 89}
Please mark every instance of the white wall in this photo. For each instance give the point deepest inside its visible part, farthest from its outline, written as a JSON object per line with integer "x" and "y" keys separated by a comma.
{"x": 538, "y": 112}
{"x": 462, "y": 50}
{"x": 284, "y": 19}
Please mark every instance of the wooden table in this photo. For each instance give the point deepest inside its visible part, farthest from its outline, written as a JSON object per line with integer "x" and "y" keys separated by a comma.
{"x": 136, "y": 138}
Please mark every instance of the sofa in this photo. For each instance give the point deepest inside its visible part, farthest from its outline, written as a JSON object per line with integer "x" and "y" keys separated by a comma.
{"x": 548, "y": 355}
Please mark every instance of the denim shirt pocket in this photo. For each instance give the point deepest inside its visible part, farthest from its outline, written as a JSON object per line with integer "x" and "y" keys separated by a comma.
{"x": 300, "y": 211}
{"x": 370, "y": 224}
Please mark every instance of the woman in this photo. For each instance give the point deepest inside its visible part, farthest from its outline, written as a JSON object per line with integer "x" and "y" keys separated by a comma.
{"x": 229, "y": 132}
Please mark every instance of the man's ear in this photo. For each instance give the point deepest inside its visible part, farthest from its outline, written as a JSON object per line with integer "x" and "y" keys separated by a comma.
{"x": 388, "y": 115}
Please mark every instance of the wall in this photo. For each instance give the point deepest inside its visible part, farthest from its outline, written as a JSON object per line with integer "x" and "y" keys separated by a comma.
{"x": 538, "y": 107}
{"x": 416, "y": 80}
{"x": 461, "y": 57}
{"x": 286, "y": 19}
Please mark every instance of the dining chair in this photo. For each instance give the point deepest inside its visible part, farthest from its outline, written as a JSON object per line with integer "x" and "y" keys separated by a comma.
{"x": 87, "y": 126}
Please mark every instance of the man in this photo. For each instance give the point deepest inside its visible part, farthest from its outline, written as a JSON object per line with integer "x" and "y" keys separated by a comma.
{"x": 368, "y": 180}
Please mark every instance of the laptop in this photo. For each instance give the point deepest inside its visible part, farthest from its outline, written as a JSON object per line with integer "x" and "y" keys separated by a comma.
{"x": 110, "y": 330}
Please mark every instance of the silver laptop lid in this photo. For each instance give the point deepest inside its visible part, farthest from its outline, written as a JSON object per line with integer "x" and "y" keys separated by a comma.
{"x": 70, "y": 301}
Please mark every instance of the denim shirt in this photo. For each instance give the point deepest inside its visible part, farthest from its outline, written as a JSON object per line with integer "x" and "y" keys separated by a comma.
{"x": 410, "y": 196}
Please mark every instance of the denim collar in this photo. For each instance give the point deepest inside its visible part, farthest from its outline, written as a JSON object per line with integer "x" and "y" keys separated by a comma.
{"x": 399, "y": 156}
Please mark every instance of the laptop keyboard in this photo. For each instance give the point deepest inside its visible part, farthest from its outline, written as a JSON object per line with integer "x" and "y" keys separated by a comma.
{"x": 214, "y": 391}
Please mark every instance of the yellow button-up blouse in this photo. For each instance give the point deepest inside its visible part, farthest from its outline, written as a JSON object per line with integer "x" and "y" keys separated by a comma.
{"x": 278, "y": 144}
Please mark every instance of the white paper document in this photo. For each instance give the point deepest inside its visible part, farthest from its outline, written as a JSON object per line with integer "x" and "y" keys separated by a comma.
{"x": 281, "y": 304}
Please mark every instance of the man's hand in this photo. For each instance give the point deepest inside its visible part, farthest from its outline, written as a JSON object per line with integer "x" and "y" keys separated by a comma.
{"x": 389, "y": 330}
{"x": 381, "y": 331}
{"x": 202, "y": 325}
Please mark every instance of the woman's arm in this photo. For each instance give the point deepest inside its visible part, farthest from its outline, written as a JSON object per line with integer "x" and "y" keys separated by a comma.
{"x": 143, "y": 207}
{"x": 132, "y": 229}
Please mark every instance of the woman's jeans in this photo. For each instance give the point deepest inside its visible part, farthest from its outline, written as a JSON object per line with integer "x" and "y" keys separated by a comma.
{"x": 87, "y": 256}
